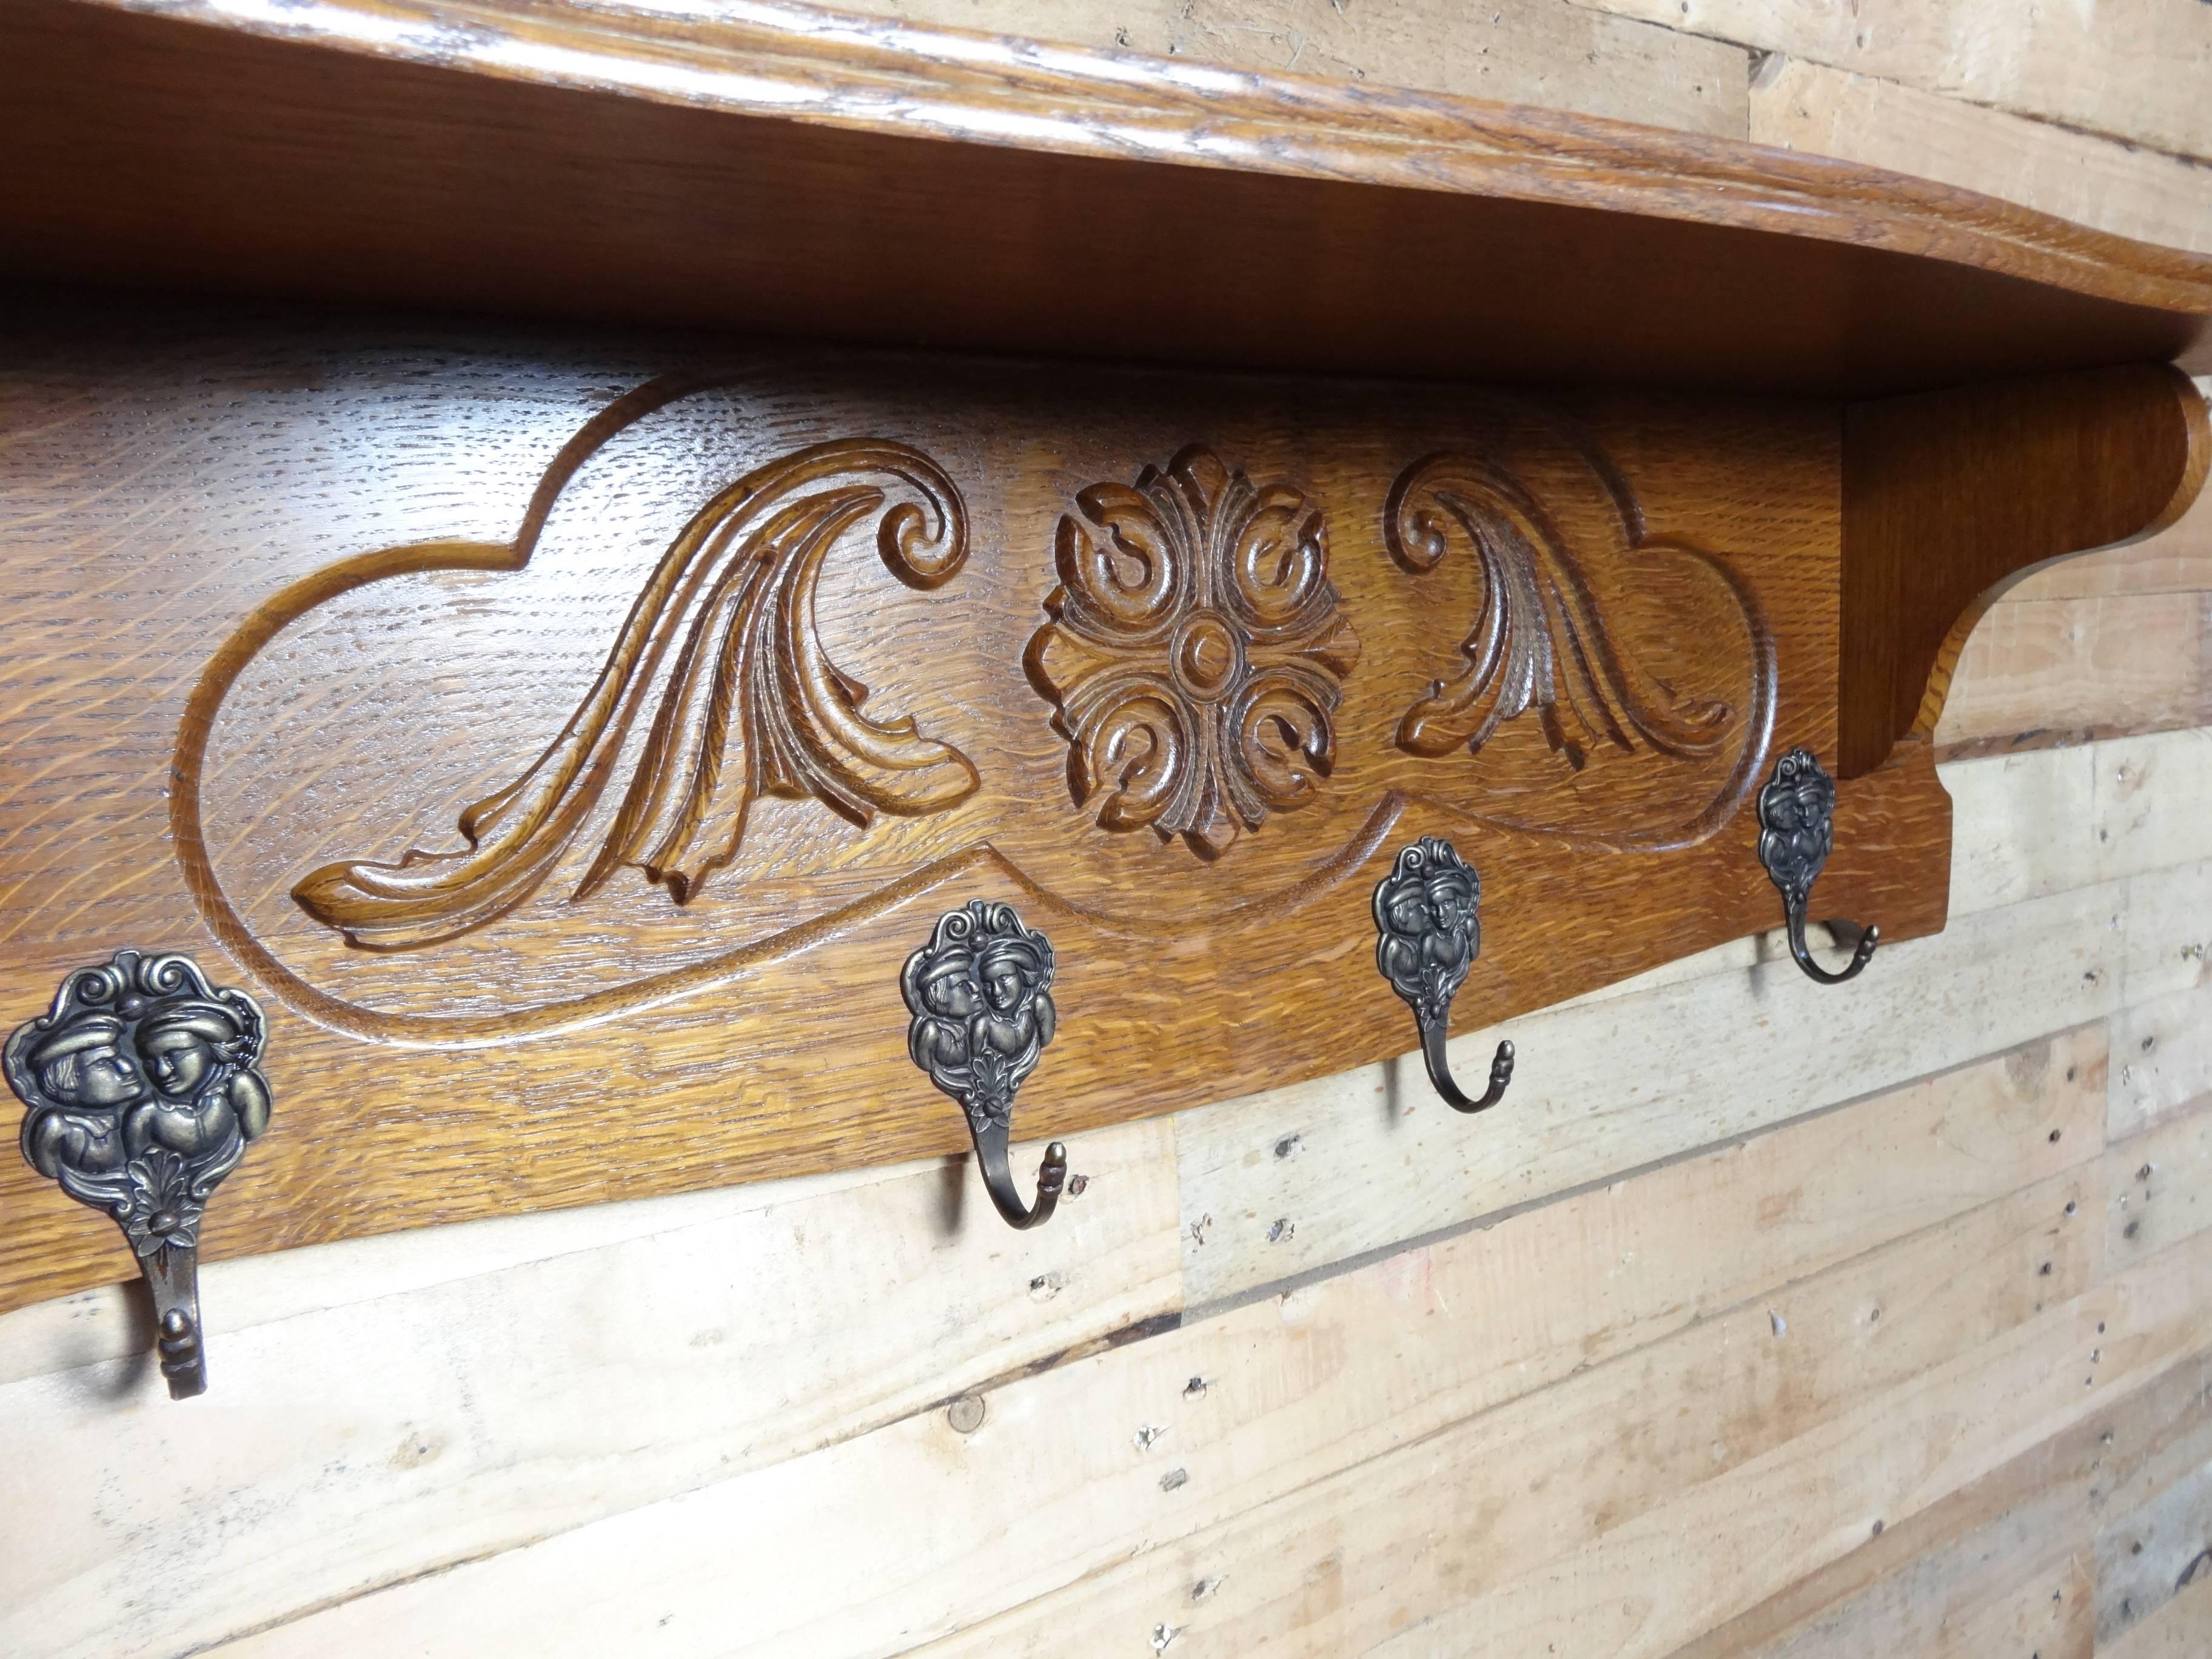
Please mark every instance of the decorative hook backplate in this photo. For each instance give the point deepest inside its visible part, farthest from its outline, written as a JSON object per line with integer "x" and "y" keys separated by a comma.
{"x": 1427, "y": 913}
{"x": 980, "y": 993}
{"x": 1796, "y": 831}
{"x": 144, "y": 1086}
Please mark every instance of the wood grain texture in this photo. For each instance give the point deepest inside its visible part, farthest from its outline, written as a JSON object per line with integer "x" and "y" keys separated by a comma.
{"x": 1073, "y": 1499}
{"x": 1900, "y": 1591}
{"x": 2180, "y": 1629}
{"x": 502, "y": 157}
{"x": 1932, "y": 535}
{"x": 2037, "y": 672}
{"x": 1616, "y": 1266}
{"x": 2129, "y": 192}
{"x": 2136, "y": 71}
{"x": 490, "y": 661}
{"x": 1546, "y": 53}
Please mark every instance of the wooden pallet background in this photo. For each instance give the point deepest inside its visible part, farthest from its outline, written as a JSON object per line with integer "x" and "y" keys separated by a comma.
{"x": 1765, "y": 1321}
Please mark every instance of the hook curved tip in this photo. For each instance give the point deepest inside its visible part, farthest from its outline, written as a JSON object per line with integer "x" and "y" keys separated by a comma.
{"x": 1869, "y": 938}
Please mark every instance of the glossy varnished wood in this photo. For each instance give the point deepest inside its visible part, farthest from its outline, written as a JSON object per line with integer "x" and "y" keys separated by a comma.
{"x": 759, "y": 170}
{"x": 294, "y": 598}
{"x": 1950, "y": 497}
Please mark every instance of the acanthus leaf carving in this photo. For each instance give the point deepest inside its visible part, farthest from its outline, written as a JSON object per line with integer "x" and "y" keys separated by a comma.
{"x": 751, "y": 705}
{"x": 1196, "y": 652}
{"x": 1540, "y": 641}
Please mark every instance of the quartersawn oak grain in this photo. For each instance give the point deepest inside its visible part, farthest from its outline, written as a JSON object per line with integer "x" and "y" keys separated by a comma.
{"x": 624, "y": 163}
{"x": 292, "y": 596}
{"x": 1950, "y": 497}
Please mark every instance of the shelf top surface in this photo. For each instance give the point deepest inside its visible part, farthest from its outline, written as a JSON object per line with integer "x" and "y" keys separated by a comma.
{"x": 781, "y": 168}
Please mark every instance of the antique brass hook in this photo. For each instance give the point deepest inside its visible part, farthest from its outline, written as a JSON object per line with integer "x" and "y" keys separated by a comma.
{"x": 981, "y": 994}
{"x": 1430, "y": 932}
{"x": 142, "y": 1086}
{"x": 1796, "y": 831}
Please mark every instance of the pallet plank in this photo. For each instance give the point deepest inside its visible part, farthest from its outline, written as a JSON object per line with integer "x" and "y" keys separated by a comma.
{"x": 1072, "y": 1470}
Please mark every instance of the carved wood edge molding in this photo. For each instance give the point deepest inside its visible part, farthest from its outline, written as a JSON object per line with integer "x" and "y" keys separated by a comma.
{"x": 1950, "y": 497}
{"x": 789, "y": 62}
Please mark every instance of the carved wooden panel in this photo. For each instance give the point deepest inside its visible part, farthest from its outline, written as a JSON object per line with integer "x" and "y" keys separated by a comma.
{"x": 568, "y": 745}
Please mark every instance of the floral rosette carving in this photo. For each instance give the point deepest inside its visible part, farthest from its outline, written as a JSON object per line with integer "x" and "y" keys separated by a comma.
{"x": 1196, "y": 650}
{"x": 143, "y": 1087}
{"x": 1427, "y": 915}
{"x": 981, "y": 994}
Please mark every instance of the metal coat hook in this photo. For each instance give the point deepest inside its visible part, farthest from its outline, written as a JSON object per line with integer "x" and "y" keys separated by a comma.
{"x": 1797, "y": 832}
{"x": 1427, "y": 916}
{"x": 144, "y": 1086}
{"x": 981, "y": 994}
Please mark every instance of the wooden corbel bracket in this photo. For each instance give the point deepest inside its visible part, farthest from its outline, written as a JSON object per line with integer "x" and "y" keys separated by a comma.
{"x": 1950, "y": 497}
{"x": 559, "y": 541}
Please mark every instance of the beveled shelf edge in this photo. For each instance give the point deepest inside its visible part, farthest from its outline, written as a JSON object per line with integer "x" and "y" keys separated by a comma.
{"x": 794, "y": 61}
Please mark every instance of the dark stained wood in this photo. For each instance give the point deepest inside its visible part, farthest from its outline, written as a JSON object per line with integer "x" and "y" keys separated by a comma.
{"x": 770, "y": 173}
{"x": 1950, "y": 497}
{"x": 287, "y": 597}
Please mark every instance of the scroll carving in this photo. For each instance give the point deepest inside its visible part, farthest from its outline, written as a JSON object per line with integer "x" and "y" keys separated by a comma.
{"x": 1540, "y": 641}
{"x": 749, "y": 705}
{"x": 1196, "y": 652}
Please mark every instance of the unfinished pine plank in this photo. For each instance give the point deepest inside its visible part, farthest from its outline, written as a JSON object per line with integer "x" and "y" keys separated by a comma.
{"x": 1283, "y": 1182}
{"x": 1901, "y": 1589}
{"x": 2162, "y": 1062}
{"x": 2178, "y": 559}
{"x": 2182, "y": 1629}
{"x": 2155, "y": 198}
{"x": 343, "y": 1447}
{"x": 2136, "y": 71}
{"x": 2158, "y": 1184}
{"x": 2050, "y": 1615}
{"x": 242, "y": 1292}
{"x": 1404, "y": 1548}
{"x": 1676, "y": 1570}
{"x": 1525, "y": 51}
{"x": 2048, "y": 671}
{"x": 2167, "y": 918}
{"x": 2147, "y": 1557}
{"x": 925, "y": 1530}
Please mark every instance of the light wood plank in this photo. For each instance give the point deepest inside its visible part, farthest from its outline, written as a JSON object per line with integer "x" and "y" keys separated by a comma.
{"x": 2182, "y": 1629}
{"x": 2176, "y": 560}
{"x": 1284, "y": 1182}
{"x": 2068, "y": 671}
{"x": 2169, "y": 920}
{"x": 2147, "y": 1558}
{"x": 2162, "y": 1061}
{"x": 1898, "y": 1591}
{"x": 2051, "y": 1614}
{"x": 342, "y": 1448}
{"x": 2159, "y": 1186}
{"x": 239, "y": 1293}
{"x": 1530, "y": 52}
{"x": 923, "y": 1530}
{"x": 1424, "y": 1550}
{"x": 2137, "y": 71}
{"x": 1797, "y": 105}
{"x": 1638, "y": 1589}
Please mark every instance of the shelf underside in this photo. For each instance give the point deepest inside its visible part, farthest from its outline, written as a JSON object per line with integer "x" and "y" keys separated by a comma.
{"x": 800, "y": 171}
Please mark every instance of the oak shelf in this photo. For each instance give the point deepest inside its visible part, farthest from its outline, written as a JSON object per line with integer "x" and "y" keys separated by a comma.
{"x": 394, "y": 392}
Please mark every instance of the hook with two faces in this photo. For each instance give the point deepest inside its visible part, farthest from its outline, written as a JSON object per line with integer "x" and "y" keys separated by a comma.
{"x": 1797, "y": 832}
{"x": 141, "y": 1086}
{"x": 1430, "y": 932}
{"x": 980, "y": 995}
